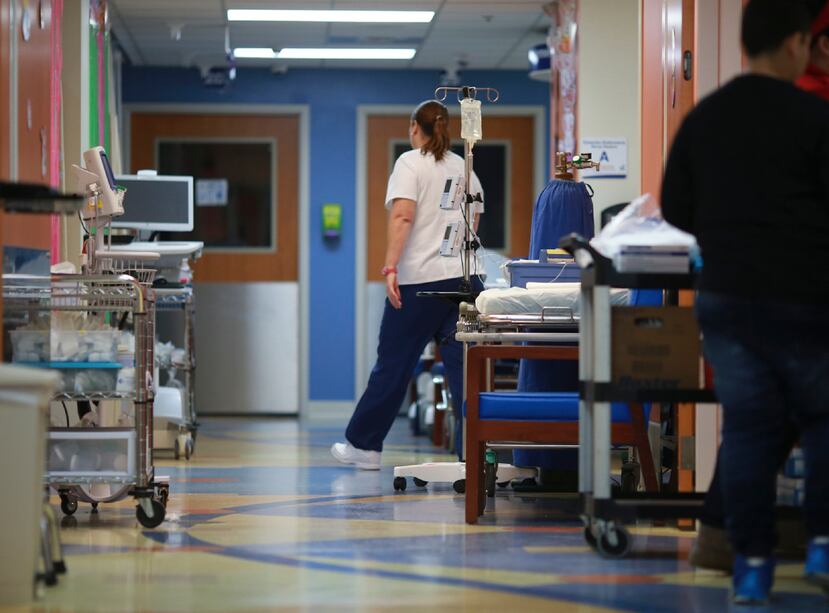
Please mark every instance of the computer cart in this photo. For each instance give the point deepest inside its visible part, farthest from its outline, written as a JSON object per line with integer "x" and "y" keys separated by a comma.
{"x": 604, "y": 513}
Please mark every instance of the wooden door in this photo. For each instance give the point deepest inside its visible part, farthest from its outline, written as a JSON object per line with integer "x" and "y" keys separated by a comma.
{"x": 383, "y": 131}
{"x": 667, "y": 97}
{"x": 5, "y": 82}
{"x": 246, "y": 285}
{"x": 279, "y": 262}
{"x": 679, "y": 100}
{"x": 678, "y": 41}
{"x": 33, "y": 118}
{"x": 5, "y": 144}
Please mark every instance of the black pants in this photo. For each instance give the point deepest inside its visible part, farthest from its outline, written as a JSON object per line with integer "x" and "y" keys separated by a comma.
{"x": 713, "y": 509}
{"x": 404, "y": 334}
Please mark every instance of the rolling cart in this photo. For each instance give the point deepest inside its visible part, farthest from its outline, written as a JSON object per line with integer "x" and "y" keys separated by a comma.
{"x": 176, "y": 419}
{"x": 605, "y": 514}
{"x": 97, "y": 464}
{"x": 179, "y": 433}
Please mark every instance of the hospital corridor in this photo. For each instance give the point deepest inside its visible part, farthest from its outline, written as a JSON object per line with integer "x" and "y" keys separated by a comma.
{"x": 376, "y": 305}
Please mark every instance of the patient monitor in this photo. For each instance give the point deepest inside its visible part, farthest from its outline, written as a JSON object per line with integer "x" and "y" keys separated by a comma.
{"x": 98, "y": 180}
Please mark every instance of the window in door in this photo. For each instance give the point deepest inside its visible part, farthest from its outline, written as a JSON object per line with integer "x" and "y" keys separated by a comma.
{"x": 235, "y": 193}
{"x": 491, "y": 163}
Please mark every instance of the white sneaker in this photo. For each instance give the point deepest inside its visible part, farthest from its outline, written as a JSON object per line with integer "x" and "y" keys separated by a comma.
{"x": 346, "y": 453}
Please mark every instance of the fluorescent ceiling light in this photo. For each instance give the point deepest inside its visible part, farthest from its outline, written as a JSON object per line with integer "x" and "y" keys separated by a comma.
{"x": 330, "y": 16}
{"x": 262, "y": 53}
{"x": 289, "y": 53}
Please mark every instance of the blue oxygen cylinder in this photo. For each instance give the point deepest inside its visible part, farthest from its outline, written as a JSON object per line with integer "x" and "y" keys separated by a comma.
{"x": 563, "y": 207}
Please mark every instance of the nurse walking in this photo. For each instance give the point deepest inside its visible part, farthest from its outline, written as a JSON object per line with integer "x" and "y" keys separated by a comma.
{"x": 413, "y": 264}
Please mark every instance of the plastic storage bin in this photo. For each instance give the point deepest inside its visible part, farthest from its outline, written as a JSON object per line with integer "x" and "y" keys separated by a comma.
{"x": 523, "y": 272}
{"x": 83, "y": 377}
{"x": 84, "y": 345}
{"x": 30, "y": 345}
{"x": 89, "y": 453}
{"x": 80, "y": 379}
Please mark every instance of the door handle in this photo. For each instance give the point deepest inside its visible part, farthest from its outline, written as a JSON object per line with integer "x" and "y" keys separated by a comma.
{"x": 688, "y": 65}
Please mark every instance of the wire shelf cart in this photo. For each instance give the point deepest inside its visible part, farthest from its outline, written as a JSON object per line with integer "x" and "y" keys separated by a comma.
{"x": 98, "y": 463}
{"x": 181, "y": 300}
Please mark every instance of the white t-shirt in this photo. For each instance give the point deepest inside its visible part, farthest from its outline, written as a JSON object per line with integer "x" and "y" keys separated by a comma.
{"x": 420, "y": 178}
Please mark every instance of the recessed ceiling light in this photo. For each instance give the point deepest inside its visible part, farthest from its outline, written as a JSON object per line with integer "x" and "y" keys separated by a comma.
{"x": 330, "y": 16}
{"x": 262, "y": 53}
{"x": 289, "y": 53}
{"x": 297, "y": 53}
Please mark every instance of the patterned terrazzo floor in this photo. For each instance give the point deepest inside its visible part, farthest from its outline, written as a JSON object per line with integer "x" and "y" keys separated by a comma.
{"x": 261, "y": 519}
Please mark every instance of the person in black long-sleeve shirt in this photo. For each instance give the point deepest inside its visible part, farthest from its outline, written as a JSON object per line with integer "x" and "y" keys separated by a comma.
{"x": 748, "y": 175}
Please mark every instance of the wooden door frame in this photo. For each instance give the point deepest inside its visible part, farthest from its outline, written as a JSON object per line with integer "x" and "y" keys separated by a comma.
{"x": 537, "y": 113}
{"x": 304, "y": 277}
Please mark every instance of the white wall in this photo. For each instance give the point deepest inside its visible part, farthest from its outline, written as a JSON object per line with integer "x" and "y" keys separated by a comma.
{"x": 610, "y": 88}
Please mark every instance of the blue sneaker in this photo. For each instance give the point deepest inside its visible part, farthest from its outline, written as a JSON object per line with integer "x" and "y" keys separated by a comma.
{"x": 752, "y": 580}
{"x": 817, "y": 563}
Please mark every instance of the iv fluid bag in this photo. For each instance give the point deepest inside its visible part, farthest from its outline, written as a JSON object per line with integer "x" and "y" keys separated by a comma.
{"x": 471, "y": 120}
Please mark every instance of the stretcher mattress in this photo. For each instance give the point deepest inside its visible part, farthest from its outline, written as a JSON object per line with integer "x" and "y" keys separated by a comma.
{"x": 537, "y": 297}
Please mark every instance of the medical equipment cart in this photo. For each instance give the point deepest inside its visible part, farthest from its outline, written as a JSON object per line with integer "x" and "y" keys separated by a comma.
{"x": 176, "y": 428}
{"x": 603, "y": 513}
{"x": 97, "y": 464}
{"x": 180, "y": 434}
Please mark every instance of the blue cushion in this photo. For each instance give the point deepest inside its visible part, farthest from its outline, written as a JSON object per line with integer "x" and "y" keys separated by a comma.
{"x": 541, "y": 406}
{"x": 646, "y": 297}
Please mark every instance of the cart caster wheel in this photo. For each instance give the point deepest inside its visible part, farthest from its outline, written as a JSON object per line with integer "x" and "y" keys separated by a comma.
{"x": 49, "y": 579}
{"x": 163, "y": 495}
{"x": 503, "y": 484}
{"x": 155, "y": 520}
{"x": 400, "y": 484}
{"x": 176, "y": 450}
{"x": 94, "y": 507}
{"x": 420, "y": 482}
{"x": 590, "y": 538}
{"x": 614, "y": 543}
{"x": 68, "y": 506}
{"x": 60, "y": 567}
{"x": 459, "y": 486}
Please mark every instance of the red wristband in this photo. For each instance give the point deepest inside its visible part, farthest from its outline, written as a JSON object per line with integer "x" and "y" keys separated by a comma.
{"x": 387, "y": 270}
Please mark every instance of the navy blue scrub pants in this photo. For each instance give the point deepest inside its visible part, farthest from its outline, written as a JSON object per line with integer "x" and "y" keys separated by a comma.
{"x": 771, "y": 368}
{"x": 404, "y": 333}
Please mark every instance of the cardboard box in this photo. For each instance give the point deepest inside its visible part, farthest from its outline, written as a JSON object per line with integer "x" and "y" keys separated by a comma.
{"x": 655, "y": 348}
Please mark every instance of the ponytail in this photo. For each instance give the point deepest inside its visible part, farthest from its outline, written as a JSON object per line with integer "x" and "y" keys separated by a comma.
{"x": 433, "y": 119}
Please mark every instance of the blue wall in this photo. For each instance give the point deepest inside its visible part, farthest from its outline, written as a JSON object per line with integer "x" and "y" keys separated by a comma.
{"x": 333, "y": 97}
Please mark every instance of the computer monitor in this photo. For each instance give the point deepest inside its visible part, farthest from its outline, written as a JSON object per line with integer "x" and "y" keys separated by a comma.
{"x": 156, "y": 203}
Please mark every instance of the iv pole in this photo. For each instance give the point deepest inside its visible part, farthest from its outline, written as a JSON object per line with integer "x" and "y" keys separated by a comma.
{"x": 455, "y": 472}
{"x": 471, "y": 132}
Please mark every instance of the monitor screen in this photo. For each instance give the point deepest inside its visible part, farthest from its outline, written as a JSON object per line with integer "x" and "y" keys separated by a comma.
{"x": 156, "y": 203}
{"x": 108, "y": 170}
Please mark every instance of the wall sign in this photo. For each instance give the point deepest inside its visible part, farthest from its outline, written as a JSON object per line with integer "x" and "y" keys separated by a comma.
{"x": 211, "y": 192}
{"x": 612, "y": 155}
